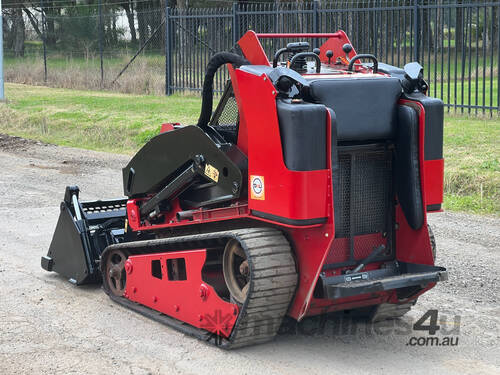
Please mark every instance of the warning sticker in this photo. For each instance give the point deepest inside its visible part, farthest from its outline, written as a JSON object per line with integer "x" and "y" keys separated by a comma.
{"x": 212, "y": 172}
{"x": 257, "y": 189}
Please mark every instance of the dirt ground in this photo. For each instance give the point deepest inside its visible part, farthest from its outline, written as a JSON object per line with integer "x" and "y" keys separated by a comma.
{"x": 48, "y": 326}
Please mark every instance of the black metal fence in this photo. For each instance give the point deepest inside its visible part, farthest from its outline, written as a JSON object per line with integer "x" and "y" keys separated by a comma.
{"x": 163, "y": 50}
{"x": 457, "y": 41}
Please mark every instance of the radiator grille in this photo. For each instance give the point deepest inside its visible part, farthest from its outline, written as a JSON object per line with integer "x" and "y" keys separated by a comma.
{"x": 365, "y": 190}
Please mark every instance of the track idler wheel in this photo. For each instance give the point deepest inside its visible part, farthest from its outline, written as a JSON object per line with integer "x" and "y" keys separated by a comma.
{"x": 114, "y": 273}
{"x": 236, "y": 271}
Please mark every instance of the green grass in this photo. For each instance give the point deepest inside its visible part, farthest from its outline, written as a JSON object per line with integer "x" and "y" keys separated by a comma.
{"x": 89, "y": 119}
{"x": 456, "y": 97}
{"x": 472, "y": 164}
{"x": 122, "y": 123}
{"x": 61, "y": 61}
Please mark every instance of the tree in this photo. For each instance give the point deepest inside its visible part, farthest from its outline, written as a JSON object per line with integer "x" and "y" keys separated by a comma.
{"x": 129, "y": 11}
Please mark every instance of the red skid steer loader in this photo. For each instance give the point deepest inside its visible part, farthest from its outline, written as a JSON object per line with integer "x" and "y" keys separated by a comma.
{"x": 305, "y": 192}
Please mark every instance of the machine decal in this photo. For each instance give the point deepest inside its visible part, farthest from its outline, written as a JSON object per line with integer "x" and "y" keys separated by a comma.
{"x": 257, "y": 187}
{"x": 212, "y": 172}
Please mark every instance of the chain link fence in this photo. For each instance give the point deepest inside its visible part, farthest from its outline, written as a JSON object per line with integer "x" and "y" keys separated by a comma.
{"x": 86, "y": 46}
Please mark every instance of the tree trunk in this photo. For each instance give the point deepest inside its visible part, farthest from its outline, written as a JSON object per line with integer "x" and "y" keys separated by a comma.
{"x": 161, "y": 37}
{"x": 50, "y": 12}
{"x": 131, "y": 24}
{"x": 141, "y": 23}
{"x": 427, "y": 34}
{"x": 155, "y": 18}
{"x": 115, "y": 33}
{"x": 33, "y": 22}
{"x": 19, "y": 32}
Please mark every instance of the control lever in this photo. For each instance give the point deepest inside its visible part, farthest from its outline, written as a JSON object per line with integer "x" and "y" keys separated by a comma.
{"x": 329, "y": 55}
{"x": 347, "y": 48}
{"x": 375, "y": 253}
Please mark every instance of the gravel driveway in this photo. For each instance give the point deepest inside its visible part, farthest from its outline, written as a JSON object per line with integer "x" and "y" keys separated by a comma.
{"x": 49, "y": 326}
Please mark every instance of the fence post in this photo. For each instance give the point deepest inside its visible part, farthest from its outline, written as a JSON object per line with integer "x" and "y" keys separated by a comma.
{"x": 100, "y": 32}
{"x": 276, "y": 16}
{"x": 2, "y": 93}
{"x": 44, "y": 37}
{"x": 416, "y": 31}
{"x": 168, "y": 52}
{"x": 235, "y": 23}
{"x": 316, "y": 19}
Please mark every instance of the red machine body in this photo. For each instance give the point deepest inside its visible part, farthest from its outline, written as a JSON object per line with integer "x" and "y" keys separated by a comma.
{"x": 300, "y": 204}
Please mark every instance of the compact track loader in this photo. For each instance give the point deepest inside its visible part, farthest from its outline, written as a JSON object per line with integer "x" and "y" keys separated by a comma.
{"x": 305, "y": 192}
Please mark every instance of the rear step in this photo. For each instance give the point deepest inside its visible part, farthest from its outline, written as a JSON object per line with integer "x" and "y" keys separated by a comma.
{"x": 397, "y": 275}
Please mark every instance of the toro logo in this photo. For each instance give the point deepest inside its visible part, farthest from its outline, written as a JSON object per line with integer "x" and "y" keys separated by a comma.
{"x": 257, "y": 189}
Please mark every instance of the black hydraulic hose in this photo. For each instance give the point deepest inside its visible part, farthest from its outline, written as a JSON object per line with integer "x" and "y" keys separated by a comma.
{"x": 215, "y": 63}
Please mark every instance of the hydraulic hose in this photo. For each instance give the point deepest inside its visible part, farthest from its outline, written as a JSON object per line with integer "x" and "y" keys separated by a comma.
{"x": 214, "y": 64}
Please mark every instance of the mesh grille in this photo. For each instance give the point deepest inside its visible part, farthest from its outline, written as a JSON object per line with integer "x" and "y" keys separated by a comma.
{"x": 365, "y": 185}
{"x": 365, "y": 209}
{"x": 363, "y": 246}
{"x": 345, "y": 193}
{"x": 226, "y": 117}
{"x": 229, "y": 115}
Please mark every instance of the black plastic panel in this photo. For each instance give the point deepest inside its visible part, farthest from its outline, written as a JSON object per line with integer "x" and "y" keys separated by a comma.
{"x": 408, "y": 167}
{"x": 434, "y": 114}
{"x": 303, "y": 135}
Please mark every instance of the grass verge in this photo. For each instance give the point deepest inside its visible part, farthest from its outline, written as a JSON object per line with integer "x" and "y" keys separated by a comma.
{"x": 122, "y": 123}
{"x": 472, "y": 164}
{"x": 91, "y": 119}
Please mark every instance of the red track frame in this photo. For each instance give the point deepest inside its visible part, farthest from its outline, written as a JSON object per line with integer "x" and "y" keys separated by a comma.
{"x": 191, "y": 300}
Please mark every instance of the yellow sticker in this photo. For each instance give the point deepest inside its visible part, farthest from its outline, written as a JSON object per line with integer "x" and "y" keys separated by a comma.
{"x": 257, "y": 188}
{"x": 212, "y": 172}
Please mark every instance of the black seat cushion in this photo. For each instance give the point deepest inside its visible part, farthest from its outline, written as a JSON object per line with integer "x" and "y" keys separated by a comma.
{"x": 365, "y": 107}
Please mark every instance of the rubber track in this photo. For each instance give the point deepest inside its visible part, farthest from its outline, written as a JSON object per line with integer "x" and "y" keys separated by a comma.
{"x": 273, "y": 281}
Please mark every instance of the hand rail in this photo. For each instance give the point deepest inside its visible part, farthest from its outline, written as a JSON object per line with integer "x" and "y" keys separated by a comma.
{"x": 299, "y": 35}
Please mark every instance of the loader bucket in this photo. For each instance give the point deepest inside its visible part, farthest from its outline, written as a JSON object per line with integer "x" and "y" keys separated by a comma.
{"x": 83, "y": 230}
